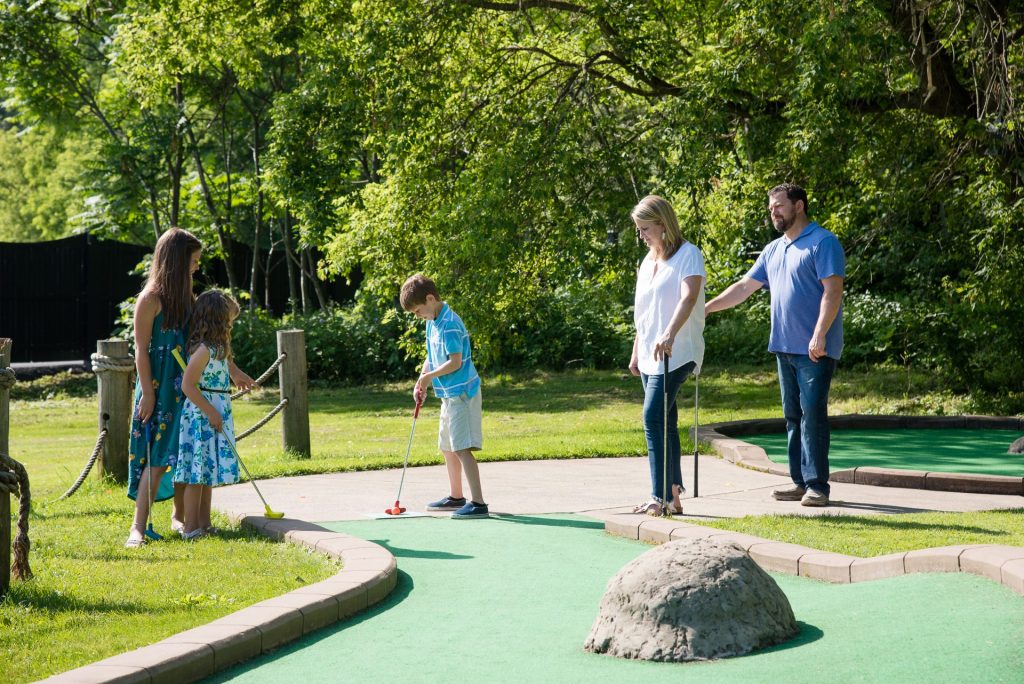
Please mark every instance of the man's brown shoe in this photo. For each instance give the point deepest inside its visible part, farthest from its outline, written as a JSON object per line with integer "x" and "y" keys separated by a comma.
{"x": 791, "y": 494}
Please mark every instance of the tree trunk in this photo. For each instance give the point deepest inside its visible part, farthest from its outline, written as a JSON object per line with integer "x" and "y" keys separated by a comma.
{"x": 318, "y": 287}
{"x": 302, "y": 281}
{"x": 258, "y": 214}
{"x": 289, "y": 259}
{"x": 177, "y": 158}
{"x": 222, "y": 237}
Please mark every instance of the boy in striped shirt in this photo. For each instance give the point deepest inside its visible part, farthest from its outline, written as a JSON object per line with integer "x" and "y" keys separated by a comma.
{"x": 449, "y": 368}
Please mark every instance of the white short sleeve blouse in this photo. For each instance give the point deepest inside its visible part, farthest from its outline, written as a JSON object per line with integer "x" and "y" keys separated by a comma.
{"x": 657, "y": 295}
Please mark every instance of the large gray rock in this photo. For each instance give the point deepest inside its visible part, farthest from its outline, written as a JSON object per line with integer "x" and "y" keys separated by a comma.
{"x": 1017, "y": 447}
{"x": 691, "y": 600}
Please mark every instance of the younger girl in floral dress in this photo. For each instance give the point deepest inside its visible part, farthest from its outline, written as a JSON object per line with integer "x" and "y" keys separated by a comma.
{"x": 205, "y": 457}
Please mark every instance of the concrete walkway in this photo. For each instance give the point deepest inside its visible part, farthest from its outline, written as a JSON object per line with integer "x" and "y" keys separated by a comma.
{"x": 578, "y": 486}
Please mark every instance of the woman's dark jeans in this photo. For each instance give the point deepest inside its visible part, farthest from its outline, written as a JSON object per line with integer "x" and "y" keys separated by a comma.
{"x": 654, "y": 430}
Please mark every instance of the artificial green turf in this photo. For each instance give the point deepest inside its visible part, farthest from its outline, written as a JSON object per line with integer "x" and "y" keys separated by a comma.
{"x": 954, "y": 450}
{"x": 512, "y": 599}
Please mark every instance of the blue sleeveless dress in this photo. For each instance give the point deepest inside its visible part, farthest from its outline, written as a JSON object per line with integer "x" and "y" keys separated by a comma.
{"x": 161, "y": 433}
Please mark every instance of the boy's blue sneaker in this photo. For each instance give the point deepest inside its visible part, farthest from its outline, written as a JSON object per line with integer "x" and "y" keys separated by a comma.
{"x": 472, "y": 510}
{"x": 447, "y": 504}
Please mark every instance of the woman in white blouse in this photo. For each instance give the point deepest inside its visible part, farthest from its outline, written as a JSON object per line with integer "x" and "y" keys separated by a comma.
{"x": 669, "y": 318}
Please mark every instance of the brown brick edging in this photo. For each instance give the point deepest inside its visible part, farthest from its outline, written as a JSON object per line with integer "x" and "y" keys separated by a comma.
{"x": 369, "y": 574}
{"x": 723, "y": 438}
{"x": 999, "y": 563}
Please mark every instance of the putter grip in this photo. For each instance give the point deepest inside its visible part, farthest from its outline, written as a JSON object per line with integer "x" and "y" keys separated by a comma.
{"x": 416, "y": 413}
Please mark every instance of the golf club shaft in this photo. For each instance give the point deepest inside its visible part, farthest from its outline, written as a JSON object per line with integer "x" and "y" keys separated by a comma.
{"x": 405, "y": 464}
{"x": 234, "y": 450}
{"x": 696, "y": 422}
{"x": 664, "y": 441}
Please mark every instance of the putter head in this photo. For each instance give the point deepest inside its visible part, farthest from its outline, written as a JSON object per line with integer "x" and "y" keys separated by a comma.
{"x": 273, "y": 515}
{"x": 150, "y": 533}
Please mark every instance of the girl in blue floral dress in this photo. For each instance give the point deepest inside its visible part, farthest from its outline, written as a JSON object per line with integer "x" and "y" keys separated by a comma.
{"x": 160, "y": 320}
{"x": 205, "y": 457}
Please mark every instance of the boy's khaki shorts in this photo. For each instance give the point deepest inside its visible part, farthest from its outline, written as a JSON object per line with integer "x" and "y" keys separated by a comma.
{"x": 460, "y": 426}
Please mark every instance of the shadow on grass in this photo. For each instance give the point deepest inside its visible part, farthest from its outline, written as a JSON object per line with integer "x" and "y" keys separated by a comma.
{"x": 53, "y": 601}
{"x": 808, "y": 635}
{"x": 549, "y": 522}
{"x": 400, "y": 552}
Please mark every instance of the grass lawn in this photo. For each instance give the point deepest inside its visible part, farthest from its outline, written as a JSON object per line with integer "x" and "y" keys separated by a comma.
{"x": 877, "y": 535}
{"x": 94, "y": 598}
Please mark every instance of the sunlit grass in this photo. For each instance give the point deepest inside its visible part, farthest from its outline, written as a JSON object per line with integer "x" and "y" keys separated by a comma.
{"x": 877, "y": 535}
{"x": 91, "y": 598}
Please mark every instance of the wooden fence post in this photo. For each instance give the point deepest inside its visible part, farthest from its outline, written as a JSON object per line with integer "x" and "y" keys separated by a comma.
{"x": 292, "y": 380}
{"x": 5, "y": 498}
{"x": 113, "y": 366}
{"x": 5, "y": 394}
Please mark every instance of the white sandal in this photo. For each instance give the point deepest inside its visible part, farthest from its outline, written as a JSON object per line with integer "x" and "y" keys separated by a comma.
{"x": 651, "y": 507}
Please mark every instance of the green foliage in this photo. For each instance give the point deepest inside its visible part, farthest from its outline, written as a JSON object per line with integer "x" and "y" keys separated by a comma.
{"x": 499, "y": 148}
{"x": 348, "y": 344}
{"x": 40, "y": 176}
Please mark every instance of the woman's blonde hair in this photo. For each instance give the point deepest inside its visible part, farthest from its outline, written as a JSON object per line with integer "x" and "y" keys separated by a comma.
{"x": 212, "y": 316}
{"x": 658, "y": 210}
{"x": 170, "y": 276}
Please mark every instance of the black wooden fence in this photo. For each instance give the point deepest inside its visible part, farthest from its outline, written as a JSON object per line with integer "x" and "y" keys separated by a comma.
{"x": 57, "y": 298}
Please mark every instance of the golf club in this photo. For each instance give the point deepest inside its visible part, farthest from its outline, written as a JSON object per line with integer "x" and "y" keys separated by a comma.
{"x": 696, "y": 421}
{"x": 397, "y": 508}
{"x": 267, "y": 510}
{"x": 664, "y": 443}
{"x": 150, "y": 533}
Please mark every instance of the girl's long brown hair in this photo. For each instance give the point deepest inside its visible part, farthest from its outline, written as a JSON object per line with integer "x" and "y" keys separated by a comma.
{"x": 212, "y": 316}
{"x": 170, "y": 277}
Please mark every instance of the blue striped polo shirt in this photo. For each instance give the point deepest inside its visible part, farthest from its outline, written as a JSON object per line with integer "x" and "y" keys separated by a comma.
{"x": 447, "y": 335}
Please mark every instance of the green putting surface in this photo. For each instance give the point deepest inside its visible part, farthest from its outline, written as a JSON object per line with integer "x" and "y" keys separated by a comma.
{"x": 512, "y": 599}
{"x": 981, "y": 452}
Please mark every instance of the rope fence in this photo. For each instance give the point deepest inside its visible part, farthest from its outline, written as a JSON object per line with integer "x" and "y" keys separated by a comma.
{"x": 112, "y": 364}
{"x": 97, "y": 450}
{"x": 102, "y": 362}
{"x": 14, "y": 481}
{"x": 263, "y": 421}
{"x": 258, "y": 382}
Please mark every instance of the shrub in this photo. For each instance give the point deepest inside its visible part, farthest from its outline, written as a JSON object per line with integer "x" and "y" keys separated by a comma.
{"x": 348, "y": 344}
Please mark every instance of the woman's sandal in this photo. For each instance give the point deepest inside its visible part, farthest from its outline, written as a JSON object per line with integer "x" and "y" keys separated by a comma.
{"x": 135, "y": 542}
{"x": 193, "y": 535}
{"x": 651, "y": 507}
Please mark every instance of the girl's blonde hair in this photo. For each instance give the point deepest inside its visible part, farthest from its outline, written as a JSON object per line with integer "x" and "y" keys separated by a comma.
{"x": 658, "y": 210}
{"x": 212, "y": 316}
{"x": 170, "y": 276}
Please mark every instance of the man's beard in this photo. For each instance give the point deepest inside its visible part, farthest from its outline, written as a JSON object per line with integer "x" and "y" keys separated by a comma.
{"x": 782, "y": 225}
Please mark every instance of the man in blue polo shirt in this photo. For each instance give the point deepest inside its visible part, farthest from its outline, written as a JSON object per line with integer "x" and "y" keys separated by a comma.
{"x": 803, "y": 272}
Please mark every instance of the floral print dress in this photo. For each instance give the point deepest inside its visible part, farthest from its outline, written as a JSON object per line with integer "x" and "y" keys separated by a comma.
{"x": 205, "y": 456}
{"x": 157, "y": 441}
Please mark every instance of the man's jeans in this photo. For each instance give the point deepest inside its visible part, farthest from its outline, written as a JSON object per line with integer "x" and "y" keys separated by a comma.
{"x": 654, "y": 430}
{"x": 805, "y": 386}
